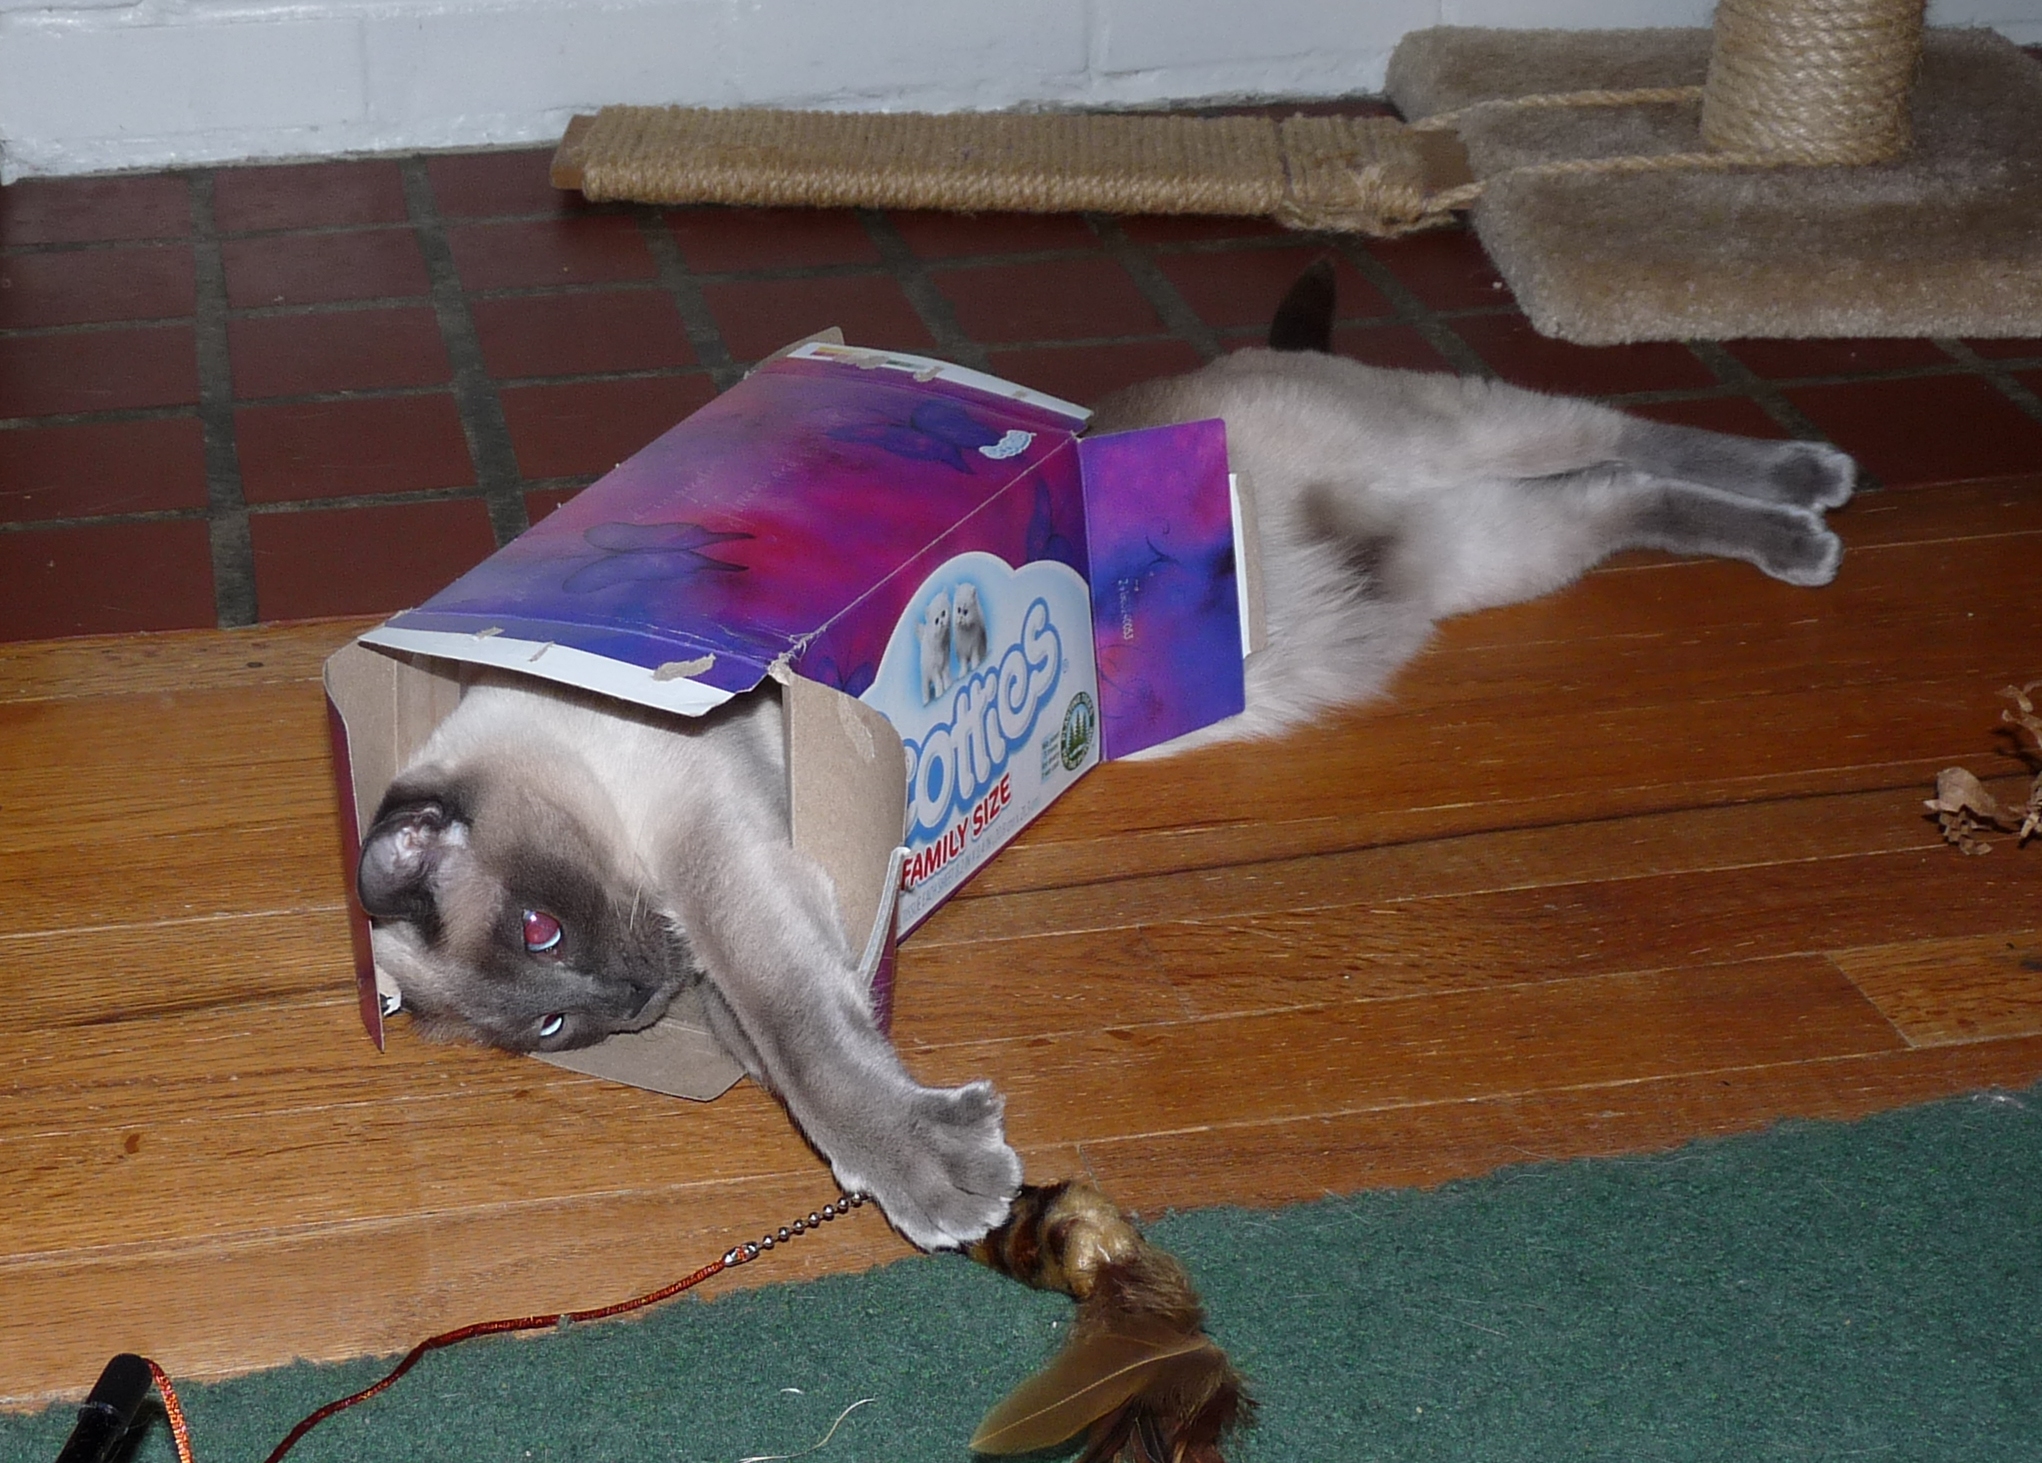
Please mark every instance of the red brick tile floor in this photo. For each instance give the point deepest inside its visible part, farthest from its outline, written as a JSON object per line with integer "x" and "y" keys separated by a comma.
{"x": 242, "y": 394}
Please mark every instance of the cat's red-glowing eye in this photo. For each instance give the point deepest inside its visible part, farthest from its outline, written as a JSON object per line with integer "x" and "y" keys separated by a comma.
{"x": 542, "y": 931}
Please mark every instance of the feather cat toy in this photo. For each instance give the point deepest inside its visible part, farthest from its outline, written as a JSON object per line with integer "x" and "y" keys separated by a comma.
{"x": 1138, "y": 1376}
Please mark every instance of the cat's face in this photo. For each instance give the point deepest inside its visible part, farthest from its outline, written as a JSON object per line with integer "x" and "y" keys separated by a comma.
{"x": 504, "y": 916}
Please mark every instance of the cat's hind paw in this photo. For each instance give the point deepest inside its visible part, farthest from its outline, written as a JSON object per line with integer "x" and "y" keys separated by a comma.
{"x": 1809, "y": 554}
{"x": 1813, "y": 475}
{"x": 947, "y": 1176}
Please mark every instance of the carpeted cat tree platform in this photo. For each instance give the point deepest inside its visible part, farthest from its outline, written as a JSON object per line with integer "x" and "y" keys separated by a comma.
{"x": 1667, "y": 233}
{"x": 1804, "y": 168}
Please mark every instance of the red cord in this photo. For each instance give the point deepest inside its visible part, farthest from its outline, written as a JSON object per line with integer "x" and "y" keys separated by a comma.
{"x": 180, "y": 1431}
{"x": 173, "y": 1409}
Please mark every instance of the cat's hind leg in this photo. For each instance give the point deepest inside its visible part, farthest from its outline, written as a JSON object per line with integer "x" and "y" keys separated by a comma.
{"x": 1788, "y": 542}
{"x": 1499, "y": 542}
{"x": 1802, "y": 474}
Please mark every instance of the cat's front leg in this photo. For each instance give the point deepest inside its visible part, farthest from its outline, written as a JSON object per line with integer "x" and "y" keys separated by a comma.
{"x": 784, "y": 997}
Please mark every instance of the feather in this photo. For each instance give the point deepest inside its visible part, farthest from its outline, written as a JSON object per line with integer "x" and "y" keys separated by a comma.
{"x": 1138, "y": 1376}
{"x": 1092, "y": 1376}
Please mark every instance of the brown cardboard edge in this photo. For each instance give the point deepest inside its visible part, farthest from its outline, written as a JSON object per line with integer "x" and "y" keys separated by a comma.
{"x": 848, "y": 805}
{"x": 1248, "y": 564}
{"x": 366, "y": 994}
{"x": 832, "y": 335}
{"x": 381, "y": 708}
{"x": 847, "y": 789}
{"x": 676, "y": 1056}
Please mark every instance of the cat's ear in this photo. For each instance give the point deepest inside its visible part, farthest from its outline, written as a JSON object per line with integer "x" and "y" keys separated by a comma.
{"x": 411, "y": 835}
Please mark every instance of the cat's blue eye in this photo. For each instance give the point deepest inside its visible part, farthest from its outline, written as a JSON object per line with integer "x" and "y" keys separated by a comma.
{"x": 550, "y": 1026}
{"x": 542, "y": 931}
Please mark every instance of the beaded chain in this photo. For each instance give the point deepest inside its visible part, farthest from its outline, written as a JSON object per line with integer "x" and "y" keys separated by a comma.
{"x": 751, "y": 1249}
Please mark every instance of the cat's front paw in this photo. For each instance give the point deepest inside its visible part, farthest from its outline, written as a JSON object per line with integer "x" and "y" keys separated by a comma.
{"x": 947, "y": 1175}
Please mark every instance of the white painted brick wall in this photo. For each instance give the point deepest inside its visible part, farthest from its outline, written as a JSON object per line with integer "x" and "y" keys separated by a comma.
{"x": 94, "y": 85}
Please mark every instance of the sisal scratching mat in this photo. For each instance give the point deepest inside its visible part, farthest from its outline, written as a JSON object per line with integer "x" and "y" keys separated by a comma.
{"x": 1681, "y": 219}
{"x": 1367, "y": 173}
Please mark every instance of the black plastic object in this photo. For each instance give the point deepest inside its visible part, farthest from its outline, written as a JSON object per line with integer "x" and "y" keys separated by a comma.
{"x": 109, "y": 1411}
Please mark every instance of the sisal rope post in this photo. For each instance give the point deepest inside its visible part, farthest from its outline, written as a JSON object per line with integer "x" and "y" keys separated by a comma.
{"x": 1821, "y": 82}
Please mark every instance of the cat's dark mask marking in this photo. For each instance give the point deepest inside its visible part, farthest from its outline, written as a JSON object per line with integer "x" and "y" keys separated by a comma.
{"x": 394, "y": 878}
{"x": 449, "y": 871}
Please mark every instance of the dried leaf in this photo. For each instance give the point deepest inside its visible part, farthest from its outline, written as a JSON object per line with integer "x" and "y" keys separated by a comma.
{"x": 2027, "y": 720}
{"x": 1962, "y": 807}
{"x": 1958, "y": 791}
{"x": 1092, "y": 1376}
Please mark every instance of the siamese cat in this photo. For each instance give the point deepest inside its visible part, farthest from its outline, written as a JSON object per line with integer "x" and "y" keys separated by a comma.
{"x": 551, "y": 869}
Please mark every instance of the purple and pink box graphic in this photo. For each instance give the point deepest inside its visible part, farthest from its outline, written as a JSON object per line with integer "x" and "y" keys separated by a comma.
{"x": 1016, "y": 602}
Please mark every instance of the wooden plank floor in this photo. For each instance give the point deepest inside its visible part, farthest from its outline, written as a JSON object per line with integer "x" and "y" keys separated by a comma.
{"x": 1638, "y": 862}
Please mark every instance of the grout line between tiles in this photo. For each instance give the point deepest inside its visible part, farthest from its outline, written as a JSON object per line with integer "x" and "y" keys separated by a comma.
{"x": 1408, "y": 309}
{"x": 352, "y": 305}
{"x": 929, "y": 302}
{"x": 102, "y": 520}
{"x": 475, "y": 395}
{"x": 1177, "y": 316}
{"x": 231, "y": 545}
{"x": 93, "y": 418}
{"x": 1770, "y": 398}
{"x": 647, "y": 373}
{"x": 96, "y": 327}
{"x": 684, "y": 287}
{"x": 1997, "y": 374}
{"x": 365, "y": 500}
{"x": 93, "y": 246}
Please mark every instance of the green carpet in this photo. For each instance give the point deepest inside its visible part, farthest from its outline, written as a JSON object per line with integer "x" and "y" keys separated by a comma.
{"x": 1820, "y": 1291}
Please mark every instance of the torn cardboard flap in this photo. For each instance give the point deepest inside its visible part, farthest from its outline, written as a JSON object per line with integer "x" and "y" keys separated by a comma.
{"x": 846, "y": 797}
{"x": 387, "y": 718}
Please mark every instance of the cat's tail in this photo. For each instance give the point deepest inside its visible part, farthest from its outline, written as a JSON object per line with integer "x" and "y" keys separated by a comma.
{"x": 1304, "y": 319}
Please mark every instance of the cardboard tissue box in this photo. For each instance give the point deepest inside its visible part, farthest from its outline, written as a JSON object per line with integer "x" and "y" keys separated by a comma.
{"x": 829, "y": 522}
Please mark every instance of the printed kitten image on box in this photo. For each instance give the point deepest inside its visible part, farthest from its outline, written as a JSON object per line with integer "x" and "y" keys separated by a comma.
{"x": 550, "y": 869}
{"x": 935, "y": 637}
{"x": 967, "y": 628}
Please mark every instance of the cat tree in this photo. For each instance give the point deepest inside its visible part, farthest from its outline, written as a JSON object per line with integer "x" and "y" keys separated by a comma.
{"x": 1790, "y": 83}
{"x": 1804, "y": 167}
